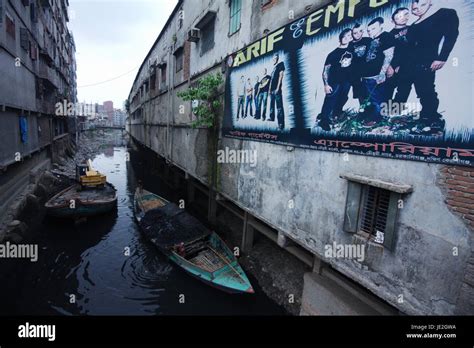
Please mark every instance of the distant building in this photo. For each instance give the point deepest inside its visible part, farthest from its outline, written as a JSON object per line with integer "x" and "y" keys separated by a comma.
{"x": 109, "y": 110}
{"x": 119, "y": 118}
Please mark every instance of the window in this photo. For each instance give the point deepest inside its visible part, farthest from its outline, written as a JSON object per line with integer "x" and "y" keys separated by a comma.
{"x": 207, "y": 36}
{"x": 10, "y": 25}
{"x": 372, "y": 209}
{"x": 24, "y": 39}
{"x": 235, "y": 11}
{"x": 180, "y": 18}
{"x": 33, "y": 13}
{"x": 153, "y": 81}
{"x": 33, "y": 51}
{"x": 163, "y": 76}
{"x": 179, "y": 58}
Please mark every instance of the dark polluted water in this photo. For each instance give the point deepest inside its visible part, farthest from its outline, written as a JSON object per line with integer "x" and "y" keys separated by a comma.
{"x": 84, "y": 270}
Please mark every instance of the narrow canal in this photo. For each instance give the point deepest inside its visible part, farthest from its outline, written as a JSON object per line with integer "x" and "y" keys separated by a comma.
{"x": 86, "y": 269}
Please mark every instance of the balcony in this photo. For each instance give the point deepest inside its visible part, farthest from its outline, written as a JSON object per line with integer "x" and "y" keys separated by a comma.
{"x": 48, "y": 74}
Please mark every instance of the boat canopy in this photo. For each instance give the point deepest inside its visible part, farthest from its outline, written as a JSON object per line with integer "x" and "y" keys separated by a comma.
{"x": 170, "y": 225}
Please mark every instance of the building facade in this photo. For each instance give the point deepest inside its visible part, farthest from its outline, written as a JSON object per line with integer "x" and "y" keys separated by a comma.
{"x": 38, "y": 69}
{"x": 304, "y": 195}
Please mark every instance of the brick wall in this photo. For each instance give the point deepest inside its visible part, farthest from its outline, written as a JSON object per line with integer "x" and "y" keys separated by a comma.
{"x": 458, "y": 185}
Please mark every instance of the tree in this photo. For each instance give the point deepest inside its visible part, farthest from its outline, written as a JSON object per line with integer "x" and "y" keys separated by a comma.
{"x": 207, "y": 94}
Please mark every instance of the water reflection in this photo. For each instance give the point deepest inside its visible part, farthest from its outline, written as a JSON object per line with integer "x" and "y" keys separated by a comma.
{"x": 105, "y": 267}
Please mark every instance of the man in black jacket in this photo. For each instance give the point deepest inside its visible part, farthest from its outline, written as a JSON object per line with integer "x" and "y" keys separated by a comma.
{"x": 276, "y": 92}
{"x": 263, "y": 96}
{"x": 256, "y": 93}
{"x": 376, "y": 64}
{"x": 425, "y": 37}
{"x": 359, "y": 46}
{"x": 398, "y": 73}
{"x": 337, "y": 81}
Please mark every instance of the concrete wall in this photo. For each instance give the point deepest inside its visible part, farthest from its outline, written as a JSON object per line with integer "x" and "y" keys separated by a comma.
{"x": 420, "y": 276}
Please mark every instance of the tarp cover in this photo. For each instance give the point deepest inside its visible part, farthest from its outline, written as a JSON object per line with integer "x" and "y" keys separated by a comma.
{"x": 171, "y": 225}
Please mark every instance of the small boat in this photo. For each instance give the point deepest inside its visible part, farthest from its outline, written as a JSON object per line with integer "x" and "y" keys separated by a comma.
{"x": 189, "y": 244}
{"x": 76, "y": 202}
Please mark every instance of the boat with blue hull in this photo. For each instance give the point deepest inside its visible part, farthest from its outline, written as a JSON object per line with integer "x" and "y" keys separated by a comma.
{"x": 189, "y": 244}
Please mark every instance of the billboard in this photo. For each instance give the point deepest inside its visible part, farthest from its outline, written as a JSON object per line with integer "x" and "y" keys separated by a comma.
{"x": 388, "y": 78}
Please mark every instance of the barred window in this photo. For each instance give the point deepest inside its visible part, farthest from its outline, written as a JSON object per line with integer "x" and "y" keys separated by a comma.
{"x": 372, "y": 211}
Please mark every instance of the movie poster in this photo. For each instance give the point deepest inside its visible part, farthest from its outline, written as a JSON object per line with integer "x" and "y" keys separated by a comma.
{"x": 389, "y": 78}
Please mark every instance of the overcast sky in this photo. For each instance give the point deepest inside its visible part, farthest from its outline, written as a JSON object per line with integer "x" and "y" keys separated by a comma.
{"x": 112, "y": 39}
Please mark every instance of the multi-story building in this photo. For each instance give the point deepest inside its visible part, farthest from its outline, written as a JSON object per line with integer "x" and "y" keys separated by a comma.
{"x": 413, "y": 217}
{"x": 119, "y": 118}
{"x": 109, "y": 111}
{"x": 38, "y": 70}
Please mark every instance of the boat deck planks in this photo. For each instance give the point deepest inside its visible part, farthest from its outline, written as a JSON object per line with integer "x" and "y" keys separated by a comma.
{"x": 73, "y": 193}
{"x": 208, "y": 260}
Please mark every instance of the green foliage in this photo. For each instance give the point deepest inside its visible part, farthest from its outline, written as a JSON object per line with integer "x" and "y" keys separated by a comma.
{"x": 207, "y": 93}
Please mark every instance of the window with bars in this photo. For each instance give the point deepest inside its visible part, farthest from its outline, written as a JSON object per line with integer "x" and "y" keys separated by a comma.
{"x": 235, "y": 12}
{"x": 372, "y": 211}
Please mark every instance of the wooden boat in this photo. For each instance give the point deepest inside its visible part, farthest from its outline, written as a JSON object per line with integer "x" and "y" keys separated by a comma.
{"x": 189, "y": 244}
{"x": 87, "y": 202}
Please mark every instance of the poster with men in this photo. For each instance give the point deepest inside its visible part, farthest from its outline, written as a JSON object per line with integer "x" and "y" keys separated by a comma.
{"x": 393, "y": 78}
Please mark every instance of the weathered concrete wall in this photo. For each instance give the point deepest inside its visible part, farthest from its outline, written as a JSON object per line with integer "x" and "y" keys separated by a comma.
{"x": 422, "y": 275}
{"x": 11, "y": 144}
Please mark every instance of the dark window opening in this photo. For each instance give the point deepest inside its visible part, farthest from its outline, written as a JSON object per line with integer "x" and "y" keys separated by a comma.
{"x": 179, "y": 58}
{"x": 207, "y": 36}
{"x": 24, "y": 39}
{"x": 153, "y": 82}
{"x": 375, "y": 210}
{"x": 10, "y": 25}
{"x": 163, "y": 76}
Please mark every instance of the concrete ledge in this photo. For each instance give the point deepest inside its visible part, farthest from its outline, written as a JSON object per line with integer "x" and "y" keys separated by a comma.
{"x": 324, "y": 296}
{"x": 399, "y": 188}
